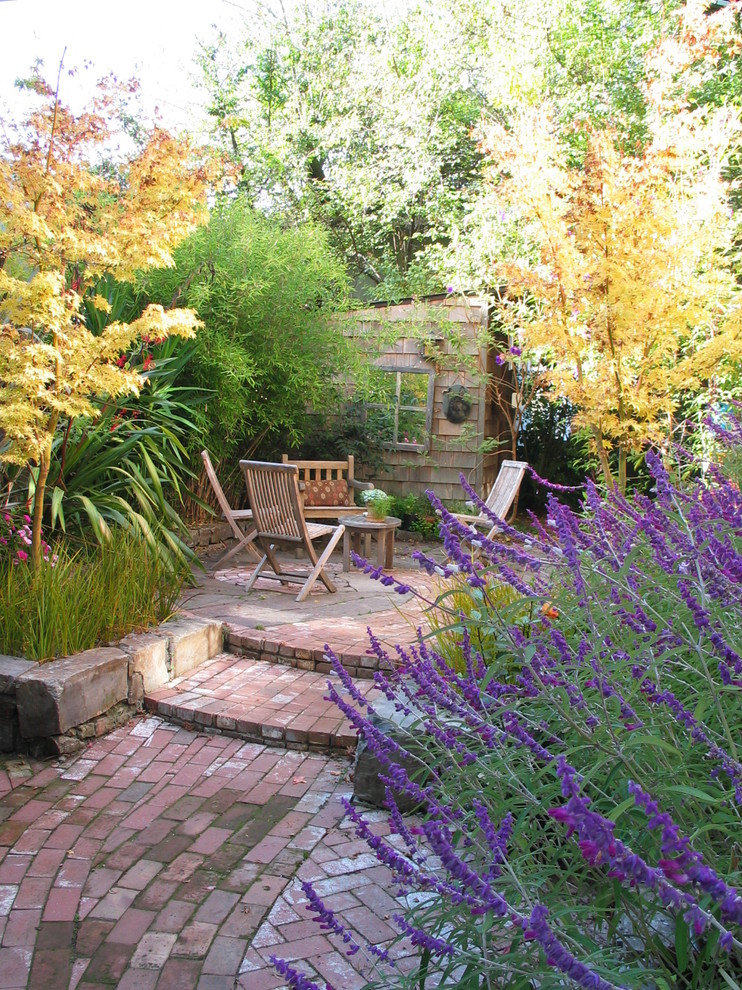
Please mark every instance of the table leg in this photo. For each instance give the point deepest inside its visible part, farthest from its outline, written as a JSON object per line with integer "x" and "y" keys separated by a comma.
{"x": 346, "y": 550}
{"x": 380, "y": 545}
{"x": 389, "y": 550}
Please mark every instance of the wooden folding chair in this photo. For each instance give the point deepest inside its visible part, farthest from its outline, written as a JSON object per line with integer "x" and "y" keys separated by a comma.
{"x": 245, "y": 533}
{"x": 506, "y": 487}
{"x": 273, "y": 491}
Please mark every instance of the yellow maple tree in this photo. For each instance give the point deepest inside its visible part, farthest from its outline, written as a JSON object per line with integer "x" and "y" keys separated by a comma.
{"x": 631, "y": 296}
{"x": 67, "y": 218}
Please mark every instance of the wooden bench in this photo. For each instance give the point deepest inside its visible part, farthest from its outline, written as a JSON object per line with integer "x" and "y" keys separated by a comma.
{"x": 328, "y": 487}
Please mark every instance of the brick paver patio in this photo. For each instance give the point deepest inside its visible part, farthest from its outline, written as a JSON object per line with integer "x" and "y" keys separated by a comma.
{"x": 163, "y": 859}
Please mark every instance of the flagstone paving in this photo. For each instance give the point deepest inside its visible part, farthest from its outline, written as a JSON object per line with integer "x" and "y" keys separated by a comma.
{"x": 163, "y": 859}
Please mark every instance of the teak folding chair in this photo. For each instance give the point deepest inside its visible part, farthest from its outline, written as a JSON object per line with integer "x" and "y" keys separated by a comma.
{"x": 506, "y": 487}
{"x": 245, "y": 533}
{"x": 273, "y": 491}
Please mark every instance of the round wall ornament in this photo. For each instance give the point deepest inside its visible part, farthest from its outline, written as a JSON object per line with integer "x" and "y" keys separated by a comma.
{"x": 456, "y": 404}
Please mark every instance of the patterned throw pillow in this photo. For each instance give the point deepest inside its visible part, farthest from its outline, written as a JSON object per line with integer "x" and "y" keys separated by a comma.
{"x": 326, "y": 492}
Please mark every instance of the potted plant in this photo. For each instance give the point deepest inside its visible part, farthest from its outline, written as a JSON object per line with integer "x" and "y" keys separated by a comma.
{"x": 377, "y": 503}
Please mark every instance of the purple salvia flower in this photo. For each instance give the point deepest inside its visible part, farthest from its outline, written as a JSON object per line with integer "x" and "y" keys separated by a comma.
{"x": 294, "y": 979}
{"x": 327, "y": 919}
{"x": 687, "y": 864}
{"x": 418, "y": 937}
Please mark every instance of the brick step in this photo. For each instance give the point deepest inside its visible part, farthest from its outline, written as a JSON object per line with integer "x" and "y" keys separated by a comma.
{"x": 302, "y": 644}
{"x": 258, "y": 701}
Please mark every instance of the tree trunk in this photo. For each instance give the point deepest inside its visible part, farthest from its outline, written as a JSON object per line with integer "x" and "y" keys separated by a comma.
{"x": 38, "y": 507}
{"x": 603, "y": 458}
{"x": 38, "y": 499}
{"x": 622, "y": 459}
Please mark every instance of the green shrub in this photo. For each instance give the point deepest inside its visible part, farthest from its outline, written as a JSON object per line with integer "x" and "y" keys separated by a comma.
{"x": 268, "y": 349}
{"x": 85, "y": 597}
{"x": 416, "y": 514}
{"x": 461, "y": 610}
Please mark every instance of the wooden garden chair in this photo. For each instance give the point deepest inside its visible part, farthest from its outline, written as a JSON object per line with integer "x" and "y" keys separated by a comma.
{"x": 273, "y": 492}
{"x": 240, "y": 520}
{"x": 328, "y": 487}
{"x": 501, "y": 497}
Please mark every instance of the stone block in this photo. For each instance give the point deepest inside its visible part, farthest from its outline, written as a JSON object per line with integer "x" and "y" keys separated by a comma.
{"x": 8, "y": 723}
{"x": 148, "y": 657}
{"x": 136, "y": 690}
{"x": 367, "y": 786}
{"x": 62, "y": 746}
{"x": 11, "y": 669}
{"x": 54, "y": 697}
{"x": 191, "y": 642}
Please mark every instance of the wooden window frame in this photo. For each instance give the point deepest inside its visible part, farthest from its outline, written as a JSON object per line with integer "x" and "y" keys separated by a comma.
{"x": 418, "y": 448}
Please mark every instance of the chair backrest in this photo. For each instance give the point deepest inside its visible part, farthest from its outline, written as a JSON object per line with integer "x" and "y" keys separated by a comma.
{"x": 325, "y": 483}
{"x": 216, "y": 487}
{"x": 273, "y": 491}
{"x": 505, "y": 488}
{"x": 323, "y": 470}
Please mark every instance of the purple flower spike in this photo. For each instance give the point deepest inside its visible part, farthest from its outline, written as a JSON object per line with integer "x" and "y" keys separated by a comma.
{"x": 294, "y": 979}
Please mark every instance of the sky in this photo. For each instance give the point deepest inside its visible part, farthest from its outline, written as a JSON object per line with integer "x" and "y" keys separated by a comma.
{"x": 153, "y": 40}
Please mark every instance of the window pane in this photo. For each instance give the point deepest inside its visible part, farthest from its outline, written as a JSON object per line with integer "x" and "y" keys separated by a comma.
{"x": 414, "y": 390}
{"x": 411, "y": 426}
{"x": 383, "y": 387}
{"x": 380, "y": 425}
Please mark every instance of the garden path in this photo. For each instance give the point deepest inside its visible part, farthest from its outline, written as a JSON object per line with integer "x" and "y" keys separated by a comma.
{"x": 166, "y": 859}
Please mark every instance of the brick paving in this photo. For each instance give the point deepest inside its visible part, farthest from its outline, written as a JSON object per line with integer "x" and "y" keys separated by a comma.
{"x": 166, "y": 859}
{"x": 270, "y": 686}
{"x": 260, "y": 702}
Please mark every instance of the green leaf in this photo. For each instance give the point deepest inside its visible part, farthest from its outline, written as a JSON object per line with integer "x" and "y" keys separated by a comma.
{"x": 57, "y": 510}
{"x": 630, "y": 802}
{"x": 681, "y": 942}
{"x": 635, "y": 740}
{"x": 694, "y": 792}
{"x": 98, "y": 523}
{"x": 728, "y": 980}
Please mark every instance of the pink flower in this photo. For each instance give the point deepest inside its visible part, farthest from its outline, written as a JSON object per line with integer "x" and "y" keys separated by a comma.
{"x": 22, "y": 555}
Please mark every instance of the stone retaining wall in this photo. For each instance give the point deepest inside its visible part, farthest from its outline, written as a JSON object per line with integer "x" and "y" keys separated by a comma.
{"x": 210, "y": 533}
{"x": 51, "y": 707}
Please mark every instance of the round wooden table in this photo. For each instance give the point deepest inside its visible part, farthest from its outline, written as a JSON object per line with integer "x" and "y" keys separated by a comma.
{"x": 361, "y": 526}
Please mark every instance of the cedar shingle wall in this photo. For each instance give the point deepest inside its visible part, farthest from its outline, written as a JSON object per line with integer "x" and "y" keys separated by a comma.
{"x": 453, "y": 446}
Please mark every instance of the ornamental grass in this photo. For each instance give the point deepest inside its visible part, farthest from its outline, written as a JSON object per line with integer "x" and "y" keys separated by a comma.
{"x": 81, "y": 598}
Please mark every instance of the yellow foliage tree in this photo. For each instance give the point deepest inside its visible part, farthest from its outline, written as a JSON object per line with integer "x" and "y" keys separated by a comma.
{"x": 632, "y": 300}
{"x": 66, "y": 219}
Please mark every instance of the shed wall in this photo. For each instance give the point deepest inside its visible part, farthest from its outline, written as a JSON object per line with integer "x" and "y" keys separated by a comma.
{"x": 443, "y": 337}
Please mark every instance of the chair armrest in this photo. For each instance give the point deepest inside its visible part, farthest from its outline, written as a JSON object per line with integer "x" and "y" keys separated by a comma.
{"x": 364, "y": 486}
{"x": 472, "y": 519}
